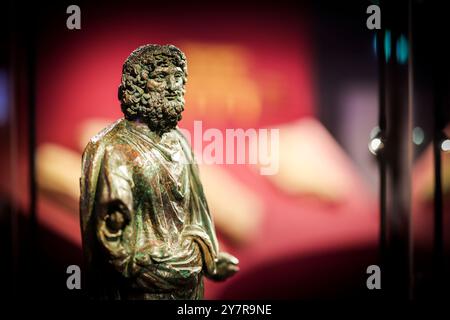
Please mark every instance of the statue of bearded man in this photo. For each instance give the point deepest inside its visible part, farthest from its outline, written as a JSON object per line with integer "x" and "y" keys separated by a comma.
{"x": 146, "y": 228}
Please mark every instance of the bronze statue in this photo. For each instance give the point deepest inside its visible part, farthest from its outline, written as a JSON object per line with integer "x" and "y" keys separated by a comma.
{"x": 146, "y": 227}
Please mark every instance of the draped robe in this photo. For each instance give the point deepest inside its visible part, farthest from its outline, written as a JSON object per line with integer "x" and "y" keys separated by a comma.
{"x": 166, "y": 240}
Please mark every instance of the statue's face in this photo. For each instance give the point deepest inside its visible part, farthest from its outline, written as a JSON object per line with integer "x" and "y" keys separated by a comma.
{"x": 166, "y": 94}
{"x": 168, "y": 82}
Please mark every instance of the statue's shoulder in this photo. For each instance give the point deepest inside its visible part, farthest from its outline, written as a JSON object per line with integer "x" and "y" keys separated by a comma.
{"x": 181, "y": 136}
{"x": 108, "y": 133}
{"x": 105, "y": 137}
{"x": 185, "y": 144}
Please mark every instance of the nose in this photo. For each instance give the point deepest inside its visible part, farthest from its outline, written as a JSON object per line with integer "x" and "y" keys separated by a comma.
{"x": 172, "y": 83}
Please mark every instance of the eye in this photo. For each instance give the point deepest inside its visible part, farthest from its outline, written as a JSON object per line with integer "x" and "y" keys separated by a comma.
{"x": 159, "y": 76}
{"x": 178, "y": 74}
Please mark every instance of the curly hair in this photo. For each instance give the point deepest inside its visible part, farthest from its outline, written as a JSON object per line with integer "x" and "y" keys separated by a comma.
{"x": 137, "y": 101}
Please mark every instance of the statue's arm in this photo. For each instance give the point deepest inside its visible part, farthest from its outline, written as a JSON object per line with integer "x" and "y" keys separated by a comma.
{"x": 114, "y": 228}
{"x": 216, "y": 267}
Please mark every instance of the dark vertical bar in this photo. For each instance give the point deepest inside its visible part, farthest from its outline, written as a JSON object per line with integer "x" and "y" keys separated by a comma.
{"x": 382, "y": 126}
{"x": 438, "y": 243}
{"x": 30, "y": 59}
{"x": 411, "y": 280}
{"x": 398, "y": 148}
{"x": 13, "y": 134}
{"x": 440, "y": 67}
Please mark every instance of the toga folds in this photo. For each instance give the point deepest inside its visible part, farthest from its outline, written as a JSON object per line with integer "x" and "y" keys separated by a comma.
{"x": 146, "y": 228}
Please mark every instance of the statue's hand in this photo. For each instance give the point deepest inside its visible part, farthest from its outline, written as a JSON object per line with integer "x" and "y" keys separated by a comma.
{"x": 226, "y": 266}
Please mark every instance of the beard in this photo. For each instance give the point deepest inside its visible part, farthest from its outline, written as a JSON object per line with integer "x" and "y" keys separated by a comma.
{"x": 162, "y": 112}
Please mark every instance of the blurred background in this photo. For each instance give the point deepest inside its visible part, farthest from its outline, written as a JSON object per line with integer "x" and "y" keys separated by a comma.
{"x": 311, "y": 70}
